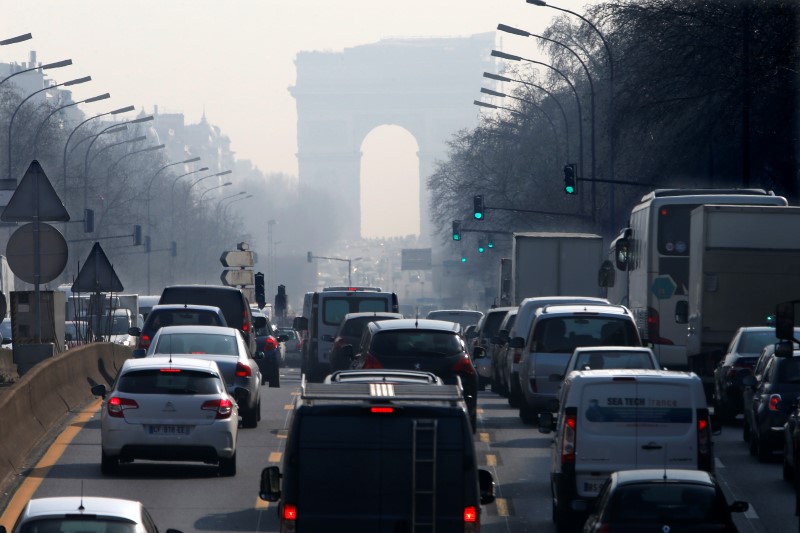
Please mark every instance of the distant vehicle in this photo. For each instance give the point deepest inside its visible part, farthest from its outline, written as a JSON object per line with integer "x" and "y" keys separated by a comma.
{"x": 429, "y": 345}
{"x": 76, "y": 333}
{"x": 662, "y": 500}
{"x": 146, "y": 303}
{"x": 270, "y": 350}
{"x": 113, "y": 327}
{"x": 480, "y": 346}
{"x": 501, "y": 366}
{"x": 84, "y": 513}
{"x": 5, "y": 330}
{"x": 611, "y": 357}
{"x": 201, "y": 423}
{"x": 464, "y": 317}
{"x": 224, "y": 346}
{"x": 292, "y": 340}
{"x": 406, "y": 460}
{"x": 349, "y": 333}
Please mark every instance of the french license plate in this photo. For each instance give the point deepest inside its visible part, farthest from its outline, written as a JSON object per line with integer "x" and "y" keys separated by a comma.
{"x": 592, "y": 487}
{"x": 169, "y": 430}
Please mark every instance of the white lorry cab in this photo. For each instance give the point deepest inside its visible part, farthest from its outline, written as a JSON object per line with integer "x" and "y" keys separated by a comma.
{"x": 624, "y": 419}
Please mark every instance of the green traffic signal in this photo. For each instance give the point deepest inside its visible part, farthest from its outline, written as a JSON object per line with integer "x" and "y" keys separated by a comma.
{"x": 477, "y": 202}
{"x": 463, "y": 259}
{"x": 490, "y": 241}
{"x": 569, "y": 179}
{"x": 481, "y": 249}
{"x": 456, "y": 230}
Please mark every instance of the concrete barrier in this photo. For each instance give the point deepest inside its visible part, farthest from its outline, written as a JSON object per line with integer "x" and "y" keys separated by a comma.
{"x": 41, "y": 398}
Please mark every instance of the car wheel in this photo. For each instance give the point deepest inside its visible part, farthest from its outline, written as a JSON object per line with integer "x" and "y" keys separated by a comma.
{"x": 527, "y": 413}
{"x": 560, "y": 516}
{"x": 763, "y": 450}
{"x": 108, "y": 464}
{"x": 227, "y": 467}
{"x": 753, "y": 441}
{"x": 250, "y": 416}
{"x": 275, "y": 379}
{"x": 788, "y": 471}
{"x": 745, "y": 430}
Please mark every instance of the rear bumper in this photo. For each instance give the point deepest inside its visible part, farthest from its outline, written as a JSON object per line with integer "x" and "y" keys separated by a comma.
{"x": 135, "y": 442}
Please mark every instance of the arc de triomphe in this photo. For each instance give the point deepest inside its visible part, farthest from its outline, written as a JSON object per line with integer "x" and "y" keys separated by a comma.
{"x": 424, "y": 85}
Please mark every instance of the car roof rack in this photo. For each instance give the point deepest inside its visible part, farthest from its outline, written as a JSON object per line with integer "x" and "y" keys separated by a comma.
{"x": 381, "y": 392}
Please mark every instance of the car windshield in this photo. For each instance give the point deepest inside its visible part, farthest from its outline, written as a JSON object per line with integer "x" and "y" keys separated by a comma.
{"x": 657, "y": 502}
{"x": 607, "y": 359}
{"x": 414, "y": 342}
{"x": 197, "y": 343}
{"x": 78, "y": 525}
{"x": 754, "y": 341}
{"x": 169, "y": 381}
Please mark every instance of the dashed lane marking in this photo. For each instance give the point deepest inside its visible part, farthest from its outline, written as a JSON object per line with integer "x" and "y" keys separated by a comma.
{"x": 491, "y": 459}
{"x": 718, "y": 463}
{"x": 484, "y": 437}
{"x": 288, "y": 407}
{"x": 275, "y": 457}
{"x": 502, "y": 506}
{"x": 261, "y": 504}
{"x": 282, "y": 434}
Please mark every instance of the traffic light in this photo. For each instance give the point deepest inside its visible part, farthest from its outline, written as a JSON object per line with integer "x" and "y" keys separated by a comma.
{"x": 137, "y": 235}
{"x": 309, "y": 257}
{"x": 477, "y": 202}
{"x": 456, "y": 230}
{"x": 463, "y": 258}
{"x": 173, "y": 249}
{"x": 88, "y": 220}
{"x": 490, "y": 241}
{"x": 261, "y": 294}
{"x": 570, "y": 182}
{"x": 280, "y": 301}
{"x": 481, "y": 248}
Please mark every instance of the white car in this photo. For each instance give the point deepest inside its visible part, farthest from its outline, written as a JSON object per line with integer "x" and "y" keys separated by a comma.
{"x": 168, "y": 409}
{"x": 84, "y": 513}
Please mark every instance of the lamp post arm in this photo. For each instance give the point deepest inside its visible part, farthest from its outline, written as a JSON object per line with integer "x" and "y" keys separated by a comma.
{"x": 39, "y": 129}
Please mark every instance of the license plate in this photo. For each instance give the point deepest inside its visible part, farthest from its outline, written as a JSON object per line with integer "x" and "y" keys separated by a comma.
{"x": 169, "y": 430}
{"x": 592, "y": 487}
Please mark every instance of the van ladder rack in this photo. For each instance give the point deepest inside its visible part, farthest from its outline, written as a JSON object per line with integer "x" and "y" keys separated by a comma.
{"x": 423, "y": 476}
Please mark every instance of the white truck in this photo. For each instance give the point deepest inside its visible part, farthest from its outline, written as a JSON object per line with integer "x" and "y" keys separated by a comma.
{"x": 555, "y": 264}
{"x": 743, "y": 260}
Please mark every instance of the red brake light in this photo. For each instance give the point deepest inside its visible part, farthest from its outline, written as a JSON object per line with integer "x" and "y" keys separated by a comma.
{"x": 704, "y": 457}
{"x": 117, "y": 406}
{"x": 245, "y": 322}
{"x": 170, "y": 370}
{"x": 223, "y": 407}
{"x": 702, "y": 424}
{"x": 569, "y": 435}
{"x": 144, "y": 342}
{"x": 470, "y": 514}
{"x": 774, "y": 399}
{"x": 270, "y": 344}
{"x": 381, "y": 409}
{"x": 289, "y": 512}
{"x": 464, "y": 365}
{"x": 243, "y": 370}
{"x": 371, "y": 362}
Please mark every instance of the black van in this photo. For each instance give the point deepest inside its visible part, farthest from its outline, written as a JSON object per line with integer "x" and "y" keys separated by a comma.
{"x": 379, "y": 457}
{"x": 230, "y": 300}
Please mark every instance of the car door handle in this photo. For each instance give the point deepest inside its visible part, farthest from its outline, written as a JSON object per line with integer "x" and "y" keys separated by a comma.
{"x": 651, "y": 446}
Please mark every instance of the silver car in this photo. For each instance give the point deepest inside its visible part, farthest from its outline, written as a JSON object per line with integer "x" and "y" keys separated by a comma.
{"x": 85, "y": 513}
{"x": 168, "y": 409}
{"x": 226, "y": 347}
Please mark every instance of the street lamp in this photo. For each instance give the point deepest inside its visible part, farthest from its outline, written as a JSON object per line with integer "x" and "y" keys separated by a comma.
{"x": 17, "y": 39}
{"x": 112, "y": 145}
{"x": 69, "y": 83}
{"x": 523, "y": 33}
{"x": 57, "y": 64}
{"x": 223, "y": 173}
{"x": 225, "y": 208}
{"x": 211, "y": 189}
{"x": 97, "y": 98}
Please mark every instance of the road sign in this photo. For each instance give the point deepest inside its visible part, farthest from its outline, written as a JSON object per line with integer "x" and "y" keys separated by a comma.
{"x": 35, "y": 198}
{"x": 238, "y": 258}
{"x": 663, "y": 287}
{"x": 233, "y": 278}
{"x": 415, "y": 259}
{"x": 20, "y": 252}
{"x": 97, "y": 274}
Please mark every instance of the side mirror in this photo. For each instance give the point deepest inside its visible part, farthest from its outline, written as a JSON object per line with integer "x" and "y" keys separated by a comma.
{"x": 97, "y": 390}
{"x": 259, "y": 322}
{"x": 516, "y": 342}
{"x": 328, "y": 338}
{"x": 735, "y": 507}
{"x": 784, "y": 349}
{"x": 486, "y": 485}
{"x": 138, "y": 353}
{"x": 546, "y": 422}
{"x": 134, "y": 331}
{"x": 479, "y": 352}
{"x": 784, "y": 321}
{"x": 347, "y": 351}
{"x": 300, "y": 323}
{"x": 503, "y": 336}
{"x": 283, "y": 338}
{"x": 270, "y": 484}
{"x": 749, "y": 380}
{"x": 622, "y": 253}
{"x": 682, "y": 312}
{"x": 606, "y": 276}
{"x": 259, "y": 355}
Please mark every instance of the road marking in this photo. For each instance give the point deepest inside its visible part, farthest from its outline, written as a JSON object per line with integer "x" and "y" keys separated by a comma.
{"x": 275, "y": 457}
{"x": 295, "y": 393}
{"x": 491, "y": 459}
{"x": 288, "y": 407}
{"x": 282, "y": 434}
{"x": 718, "y": 463}
{"x": 50, "y": 458}
{"x": 484, "y": 437}
{"x": 261, "y": 504}
{"x": 502, "y": 506}
{"x": 751, "y": 514}
{"x": 479, "y": 410}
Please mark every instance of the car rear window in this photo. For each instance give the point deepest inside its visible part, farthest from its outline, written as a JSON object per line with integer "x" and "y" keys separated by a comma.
{"x": 229, "y": 301}
{"x": 355, "y": 326}
{"x": 668, "y": 502}
{"x": 334, "y": 309}
{"x": 466, "y": 318}
{"x": 197, "y": 343}
{"x": 175, "y": 381}
{"x": 564, "y": 334}
{"x": 754, "y": 341}
{"x": 606, "y": 359}
{"x": 413, "y": 342}
{"x": 182, "y": 317}
{"x": 492, "y": 324}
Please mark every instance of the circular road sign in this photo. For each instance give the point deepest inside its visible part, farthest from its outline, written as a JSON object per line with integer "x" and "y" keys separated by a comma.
{"x": 52, "y": 250}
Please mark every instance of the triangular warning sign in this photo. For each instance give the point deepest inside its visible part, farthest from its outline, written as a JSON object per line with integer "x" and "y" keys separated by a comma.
{"x": 35, "y": 197}
{"x": 97, "y": 274}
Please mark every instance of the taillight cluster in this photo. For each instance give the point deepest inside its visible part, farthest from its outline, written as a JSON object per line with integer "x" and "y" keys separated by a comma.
{"x": 654, "y": 327}
{"x": 243, "y": 370}
{"x": 774, "y": 400}
{"x": 464, "y": 366}
{"x": 144, "y": 341}
{"x": 270, "y": 343}
{"x": 569, "y": 435}
{"x": 245, "y": 322}
{"x": 704, "y": 459}
{"x": 289, "y": 518}
{"x": 223, "y": 408}
{"x": 370, "y": 361}
{"x": 117, "y": 406}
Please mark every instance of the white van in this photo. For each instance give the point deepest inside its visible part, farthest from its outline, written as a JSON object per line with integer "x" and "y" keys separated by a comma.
{"x": 624, "y": 419}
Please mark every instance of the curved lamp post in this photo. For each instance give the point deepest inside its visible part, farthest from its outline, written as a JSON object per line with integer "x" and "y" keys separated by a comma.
{"x": 57, "y": 64}
{"x": 69, "y": 83}
{"x": 112, "y": 145}
{"x": 226, "y": 184}
{"x": 17, "y": 39}
{"x": 225, "y": 208}
{"x": 97, "y": 98}
{"x": 223, "y": 173}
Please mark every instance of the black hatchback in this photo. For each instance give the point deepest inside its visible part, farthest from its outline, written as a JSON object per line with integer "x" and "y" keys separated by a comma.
{"x": 176, "y": 315}
{"x": 415, "y": 344}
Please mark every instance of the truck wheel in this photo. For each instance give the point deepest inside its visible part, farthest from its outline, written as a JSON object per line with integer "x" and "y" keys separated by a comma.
{"x": 527, "y": 414}
{"x": 250, "y": 417}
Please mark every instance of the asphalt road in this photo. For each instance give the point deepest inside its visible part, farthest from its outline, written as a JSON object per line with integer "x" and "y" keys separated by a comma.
{"x": 191, "y": 497}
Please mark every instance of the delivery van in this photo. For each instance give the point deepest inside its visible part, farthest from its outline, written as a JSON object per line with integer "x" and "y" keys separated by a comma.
{"x": 624, "y": 419}
{"x": 406, "y": 461}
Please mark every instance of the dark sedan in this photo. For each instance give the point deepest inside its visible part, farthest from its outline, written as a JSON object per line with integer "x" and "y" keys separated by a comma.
{"x": 349, "y": 332}
{"x": 417, "y": 344}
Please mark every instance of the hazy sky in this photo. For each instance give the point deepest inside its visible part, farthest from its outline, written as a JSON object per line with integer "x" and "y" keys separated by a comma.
{"x": 235, "y": 58}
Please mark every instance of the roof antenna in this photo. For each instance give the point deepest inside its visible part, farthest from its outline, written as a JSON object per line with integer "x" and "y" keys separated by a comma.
{"x": 81, "y": 507}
